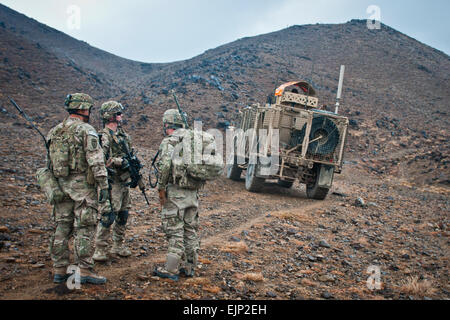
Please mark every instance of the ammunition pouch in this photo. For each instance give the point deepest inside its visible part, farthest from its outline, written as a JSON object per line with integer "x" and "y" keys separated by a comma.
{"x": 107, "y": 219}
{"x": 122, "y": 218}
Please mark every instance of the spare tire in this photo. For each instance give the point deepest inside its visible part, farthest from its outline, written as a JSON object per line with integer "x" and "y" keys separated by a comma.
{"x": 325, "y": 127}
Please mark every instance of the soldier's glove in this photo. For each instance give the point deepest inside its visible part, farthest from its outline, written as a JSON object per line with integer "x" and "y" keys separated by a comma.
{"x": 103, "y": 196}
{"x": 125, "y": 164}
{"x": 162, "y": 197}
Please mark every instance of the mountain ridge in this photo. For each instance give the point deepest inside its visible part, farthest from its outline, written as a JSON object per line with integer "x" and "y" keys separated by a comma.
{"x": 389, "y": 78}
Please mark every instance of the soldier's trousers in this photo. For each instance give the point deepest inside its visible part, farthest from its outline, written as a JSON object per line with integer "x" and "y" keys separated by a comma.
{"x": 180, "y": 222}
{"x": 78, "y": 219}
{"x": 121, "y": 202}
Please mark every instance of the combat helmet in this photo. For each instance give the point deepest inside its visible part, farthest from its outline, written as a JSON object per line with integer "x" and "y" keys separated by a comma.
{"x": 172, "y": 119}
{"x": 78, "y": 101}
{"x": 110, "y": 109}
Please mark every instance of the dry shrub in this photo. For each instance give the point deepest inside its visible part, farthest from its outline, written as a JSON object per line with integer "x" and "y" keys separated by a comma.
{"x": 160, "y": 260}
{"x": 308, "y": 283}
{"x": 212, "y": 289}
{"x": 413, "y": 286}
{"x": 204, "y": 261}
{"x": 251, "y": 276}
{"x": 237, "y": 247}
{"x": 197, "y": 281}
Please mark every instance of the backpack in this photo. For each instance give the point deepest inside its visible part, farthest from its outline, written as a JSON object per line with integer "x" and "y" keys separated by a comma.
{"x": 59, "y": 151}
{"x": 208, "y": 166}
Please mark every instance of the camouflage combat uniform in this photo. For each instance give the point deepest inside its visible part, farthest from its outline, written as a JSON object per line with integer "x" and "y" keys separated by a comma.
{"x": 77, "y": 213}
{"x": 179, "y": 215}
{"x": 120, "y": 196}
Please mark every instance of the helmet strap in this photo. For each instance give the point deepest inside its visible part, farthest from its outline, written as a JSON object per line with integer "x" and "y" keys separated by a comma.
{"x": 85, "y": 117}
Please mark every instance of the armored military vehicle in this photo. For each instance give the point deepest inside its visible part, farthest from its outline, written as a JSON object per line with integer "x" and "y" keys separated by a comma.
{"x": 311, "y": 141}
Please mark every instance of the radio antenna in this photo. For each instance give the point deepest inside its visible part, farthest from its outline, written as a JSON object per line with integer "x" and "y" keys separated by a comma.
{"x": 339, "y": 92}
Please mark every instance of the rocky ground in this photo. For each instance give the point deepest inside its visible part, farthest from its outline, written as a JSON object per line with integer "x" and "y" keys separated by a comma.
{"x": 274, "y": 245}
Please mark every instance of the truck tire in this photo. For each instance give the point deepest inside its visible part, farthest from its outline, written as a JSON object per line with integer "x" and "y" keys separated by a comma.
{"x": 285, "y": 183}
{"x": 233, "y": 170}
{"x": 252, "y": 182}
{"x": 313, "y": 191}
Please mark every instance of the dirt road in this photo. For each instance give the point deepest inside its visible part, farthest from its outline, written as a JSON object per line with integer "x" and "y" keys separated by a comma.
{"x": 274, "y": 245}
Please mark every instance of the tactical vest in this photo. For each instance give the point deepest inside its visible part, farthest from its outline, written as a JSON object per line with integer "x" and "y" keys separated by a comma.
{"x": 115, "y": 151}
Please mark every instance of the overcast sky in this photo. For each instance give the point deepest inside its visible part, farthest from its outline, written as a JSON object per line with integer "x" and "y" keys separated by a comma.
{"x": 170, "y": 30}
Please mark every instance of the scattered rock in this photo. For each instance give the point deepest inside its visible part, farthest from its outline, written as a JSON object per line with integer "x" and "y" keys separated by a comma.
{"x": 38, "y": 265}
{"x": 235, "y": 239}
{"x": 326, "y": 295}
{"x": 142, "y": 277}
{"x": 36, "y": 231}
{"x": 324, "y": 244}
{"x": 326, "y": 278}
{"x": 359, "y": 202}
{"x": 271, "y": 294}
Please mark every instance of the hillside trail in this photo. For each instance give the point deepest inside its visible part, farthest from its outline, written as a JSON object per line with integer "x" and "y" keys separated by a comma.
{"x": 38, "y": 284}
{"x": 272, "y": 237}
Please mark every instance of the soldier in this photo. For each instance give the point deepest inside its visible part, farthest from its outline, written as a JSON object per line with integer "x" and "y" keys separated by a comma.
{"x": 77, "y": 162}
{"x": 179, "y": 212}
{"x": 113, "y": 133}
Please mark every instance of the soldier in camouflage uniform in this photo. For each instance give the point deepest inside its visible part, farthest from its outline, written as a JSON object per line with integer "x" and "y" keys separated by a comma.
{"x": 83, "y": 179}
{"x": 179, "y": 213}
{"x": 113, "y": 133}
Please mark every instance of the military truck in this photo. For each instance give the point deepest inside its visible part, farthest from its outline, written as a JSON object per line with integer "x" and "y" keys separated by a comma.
{"x": 311, "y": 141}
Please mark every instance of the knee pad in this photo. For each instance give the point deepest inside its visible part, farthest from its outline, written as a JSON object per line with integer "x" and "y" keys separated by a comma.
{"x": 122, "y": 218}
{"x": 172, "y": 263}
{"x": 107, "y": 219}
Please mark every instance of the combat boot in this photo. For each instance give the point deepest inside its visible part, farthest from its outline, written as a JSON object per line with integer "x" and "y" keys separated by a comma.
{"x": 120, "y": 250}
{"x": 100, "y": 255}
{"x": 88, "y": 276}
{"x": 170, "y": 271}
{"x": 60, "y": 275}
{"x": 187, "y": 270}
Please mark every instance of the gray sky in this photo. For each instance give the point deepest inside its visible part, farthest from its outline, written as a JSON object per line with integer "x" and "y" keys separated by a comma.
{"x": 170, "y": 30}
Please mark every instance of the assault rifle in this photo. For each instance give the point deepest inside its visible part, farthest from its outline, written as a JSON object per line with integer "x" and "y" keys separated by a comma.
{"x": 24, "y": 115}
{"x": 134, "y": 166}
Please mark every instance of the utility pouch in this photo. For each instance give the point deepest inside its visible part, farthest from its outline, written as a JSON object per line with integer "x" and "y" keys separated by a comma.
{"x": 48, "y": 183}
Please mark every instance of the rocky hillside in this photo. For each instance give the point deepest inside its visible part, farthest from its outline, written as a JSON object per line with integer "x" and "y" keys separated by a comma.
{"x": 389, "y": 207}
{"x": 396, "y": 88}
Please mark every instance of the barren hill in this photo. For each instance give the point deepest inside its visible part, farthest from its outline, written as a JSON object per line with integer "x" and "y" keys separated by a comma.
{"x": 278, "y": 244}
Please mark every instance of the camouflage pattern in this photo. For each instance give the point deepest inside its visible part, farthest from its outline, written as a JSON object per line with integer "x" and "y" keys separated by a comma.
{"x": 77, "y": 214}
{"x": 180, "y": 214}
{"x": 169, "y": 170}
{"x": 78, "y": 101}
{"x": 173, "y": 117}
{"x": 48, "y": 183}
{"x": 120, "y": 194}
{"x": 109, "y": 109}
{"x": 179, "y": 218}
